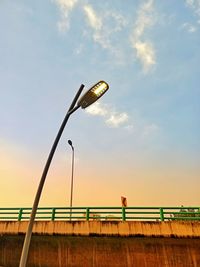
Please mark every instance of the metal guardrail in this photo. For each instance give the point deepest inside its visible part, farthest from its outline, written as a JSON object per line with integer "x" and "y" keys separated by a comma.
{"x": 102, "y": 213}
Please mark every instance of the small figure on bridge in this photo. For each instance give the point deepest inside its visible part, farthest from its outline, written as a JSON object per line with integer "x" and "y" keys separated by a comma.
{"x": 124, "y": 201}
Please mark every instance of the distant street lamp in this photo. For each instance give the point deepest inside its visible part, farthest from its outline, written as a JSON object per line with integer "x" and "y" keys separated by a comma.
{"x": 94, "y": 93}
{"x": 72, "y": 178}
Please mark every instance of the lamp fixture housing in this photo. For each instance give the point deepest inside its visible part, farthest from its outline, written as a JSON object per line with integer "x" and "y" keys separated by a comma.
{"x": 93, "y": 94}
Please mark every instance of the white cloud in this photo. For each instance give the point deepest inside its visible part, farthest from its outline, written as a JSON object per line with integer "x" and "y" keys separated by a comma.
{"x": 104, "y": 26}
{"x": 93, "y": 19}
{"x": 117, "y": 119}
{"x": 66, "y": 7}
{"x": 119, "y": 21}
{"x": 95, "y": 22}
{"x": 145, "y": 18}
{"x": 97, "y": 109}
{"x": 102, "y": 29}
{"x": 195, "y": 5}
{"x": 189, "y": 27}
{"x": 189, "y": 2}
{"x": 146, "y": 54}
{"x": 145, "y": 51}
{"x": 112, "y": 117}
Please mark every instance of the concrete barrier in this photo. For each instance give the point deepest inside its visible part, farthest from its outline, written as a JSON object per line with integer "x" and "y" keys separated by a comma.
{"x": 87, "y": 251}
{"x": 105, "y": 228}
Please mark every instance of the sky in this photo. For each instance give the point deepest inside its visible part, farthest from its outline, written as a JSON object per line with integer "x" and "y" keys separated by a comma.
{"x": 141, "y": 140}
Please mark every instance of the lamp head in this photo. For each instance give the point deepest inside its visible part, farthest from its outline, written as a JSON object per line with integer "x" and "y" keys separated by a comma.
{"x": 93, "y": 94}
{"x": 70, "y": 142}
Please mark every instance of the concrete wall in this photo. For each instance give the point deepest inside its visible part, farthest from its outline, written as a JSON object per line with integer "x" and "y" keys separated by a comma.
{"x": 103, "y": 244}
{"x": 106, "y": 228}
{"x": 85, "y": 251}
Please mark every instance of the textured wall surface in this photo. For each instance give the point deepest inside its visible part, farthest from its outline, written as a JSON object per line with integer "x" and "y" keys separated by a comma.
{"x": 84, "y": 251}
{"x": 103, "y": 244}
{"x": 108, "y": 228}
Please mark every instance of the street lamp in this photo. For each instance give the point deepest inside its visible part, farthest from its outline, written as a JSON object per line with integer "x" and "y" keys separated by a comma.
{"x": 94, "y": 93}
{"x": 72, "y": 178}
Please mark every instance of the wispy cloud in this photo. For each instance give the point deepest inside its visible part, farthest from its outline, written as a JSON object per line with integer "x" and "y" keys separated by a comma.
{"x": 98, "y": 109}
{"x": 145, "y": 51}
{"x": 194, "y": 5}
{"x": 94, "y": 20}
{"x": 189, "y": 27}
{"x": 65, "y": 6}
{"x": 116, "y": 119}
{"x": 104, "y": 27}
{"x": 112, "y": 117}
{"x": 101, "y": 26}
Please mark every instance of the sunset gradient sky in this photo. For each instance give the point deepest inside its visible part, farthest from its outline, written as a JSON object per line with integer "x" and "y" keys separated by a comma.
{"x": 140, "y": 140}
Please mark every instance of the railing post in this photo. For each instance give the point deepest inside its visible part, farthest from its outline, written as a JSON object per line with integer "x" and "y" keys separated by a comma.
{"x": 20, "y": 214}
{"x": 87, "y": 214}
{"x": 53, "y": 214}
{"x": 123, "y": 214}
{"x": 162, "y": 215}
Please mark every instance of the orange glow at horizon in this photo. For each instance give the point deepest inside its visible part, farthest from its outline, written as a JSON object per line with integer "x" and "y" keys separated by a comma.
{"x": 95, "y": 186}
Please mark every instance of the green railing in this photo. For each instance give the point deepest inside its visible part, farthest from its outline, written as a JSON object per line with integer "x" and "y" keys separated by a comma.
{"x": 103, "y": 213}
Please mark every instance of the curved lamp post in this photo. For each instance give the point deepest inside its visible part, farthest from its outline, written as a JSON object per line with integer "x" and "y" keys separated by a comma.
{"x": 72, "y": 178}
{"x": 94, "y": 93}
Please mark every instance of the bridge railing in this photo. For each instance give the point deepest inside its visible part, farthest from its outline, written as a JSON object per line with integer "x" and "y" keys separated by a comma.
{"x": 103, "y": 213}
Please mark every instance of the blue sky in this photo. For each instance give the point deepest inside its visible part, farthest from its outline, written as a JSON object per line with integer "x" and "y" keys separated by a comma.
{"x": 140, "y": 140}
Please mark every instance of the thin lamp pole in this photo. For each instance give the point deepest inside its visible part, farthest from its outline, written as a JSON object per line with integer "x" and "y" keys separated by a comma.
{"x": 92, "y": 95}
{"x": 27, "y": 240}
{"x": 72, "y": 178}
